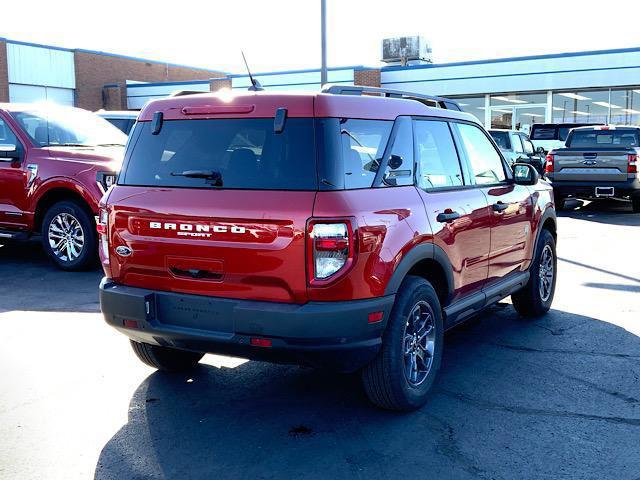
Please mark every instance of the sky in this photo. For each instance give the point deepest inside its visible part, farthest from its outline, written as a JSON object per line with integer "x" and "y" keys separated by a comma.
{"x": 285, "y": 34}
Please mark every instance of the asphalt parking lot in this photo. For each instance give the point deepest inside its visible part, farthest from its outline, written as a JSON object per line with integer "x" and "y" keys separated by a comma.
{"x": 558, "y": 397}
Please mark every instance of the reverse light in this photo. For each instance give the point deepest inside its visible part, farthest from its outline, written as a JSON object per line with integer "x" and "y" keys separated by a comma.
{"x": 548, "y": 168}
{"x": 632, "y": 166}
{"x": 331, "y": 248}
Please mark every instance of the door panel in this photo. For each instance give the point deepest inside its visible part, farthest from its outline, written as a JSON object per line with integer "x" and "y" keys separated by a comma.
{"x": 466, "y": 239}
{"x": 511, "y": 228}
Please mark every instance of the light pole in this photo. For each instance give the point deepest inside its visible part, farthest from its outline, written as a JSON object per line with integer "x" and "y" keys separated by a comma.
{"x": 323, "y": 42}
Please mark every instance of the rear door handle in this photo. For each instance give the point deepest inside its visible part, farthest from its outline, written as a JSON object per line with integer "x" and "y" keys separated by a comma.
{"x": 448, "y": 216}
{"x": 500, "y": 207}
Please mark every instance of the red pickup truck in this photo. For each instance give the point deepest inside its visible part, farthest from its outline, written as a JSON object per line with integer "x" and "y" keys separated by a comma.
{"x": 55, "y": 165}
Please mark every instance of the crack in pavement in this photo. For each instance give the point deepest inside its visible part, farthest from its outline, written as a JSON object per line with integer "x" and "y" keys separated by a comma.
{"x": 522, "y": 348}
{"x": 488, "y": 405}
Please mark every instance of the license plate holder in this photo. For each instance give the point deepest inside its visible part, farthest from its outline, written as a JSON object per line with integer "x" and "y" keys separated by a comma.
{"x": 605, "y": 191}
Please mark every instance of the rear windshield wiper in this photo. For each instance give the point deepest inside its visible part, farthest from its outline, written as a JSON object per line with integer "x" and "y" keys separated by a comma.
{"x": 212, "y": 175}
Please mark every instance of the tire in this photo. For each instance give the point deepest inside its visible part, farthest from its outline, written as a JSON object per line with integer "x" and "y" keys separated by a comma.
{"x": 531, "y": 301}
{"x": 559, "y": 201}
{"x": 386, "y": 381}
{"x": 82, "y": 228}
{"x": 165, "y": 358}
{"x": 635, "y": 204}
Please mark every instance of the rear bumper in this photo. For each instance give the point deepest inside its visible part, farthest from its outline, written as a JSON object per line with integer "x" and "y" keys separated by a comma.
{"x": 627, "y": 188}
{"x": 335, "y": 335}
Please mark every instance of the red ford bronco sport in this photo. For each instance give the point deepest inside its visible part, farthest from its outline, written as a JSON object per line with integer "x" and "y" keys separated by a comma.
{"x": 347, "y": 229}
{"x": 55, "y": 165}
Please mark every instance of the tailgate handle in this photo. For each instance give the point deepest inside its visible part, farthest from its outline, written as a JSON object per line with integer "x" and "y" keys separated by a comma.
{"x": 196, "y": 273}
{"x": 589, "y": 156}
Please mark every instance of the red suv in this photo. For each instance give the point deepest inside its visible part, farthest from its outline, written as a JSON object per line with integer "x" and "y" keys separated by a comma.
{"x": 55, "y": 165}
{"x": 335, "y": 229}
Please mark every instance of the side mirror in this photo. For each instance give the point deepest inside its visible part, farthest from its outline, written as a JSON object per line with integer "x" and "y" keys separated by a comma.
{"x": 525, "y": 174}
{"x": 8, "y": 153}
{"x": 541, "y": 151}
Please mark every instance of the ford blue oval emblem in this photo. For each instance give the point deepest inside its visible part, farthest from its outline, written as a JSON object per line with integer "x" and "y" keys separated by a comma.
{"x": 123, "y": 251}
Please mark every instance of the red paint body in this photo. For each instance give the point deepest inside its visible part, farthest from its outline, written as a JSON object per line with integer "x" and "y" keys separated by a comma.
{"x": 269, "y": 260}
{"x": 60, "y": 170}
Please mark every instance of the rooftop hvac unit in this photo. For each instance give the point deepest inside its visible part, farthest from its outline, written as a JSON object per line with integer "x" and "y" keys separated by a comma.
{"x": 406, "y": 49}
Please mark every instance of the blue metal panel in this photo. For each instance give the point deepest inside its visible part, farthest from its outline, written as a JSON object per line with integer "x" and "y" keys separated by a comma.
{"x": 32, "y": 65}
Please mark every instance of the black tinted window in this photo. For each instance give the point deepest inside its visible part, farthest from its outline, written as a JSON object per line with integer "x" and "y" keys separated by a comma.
{"x": 244, "y": 153}
{"x": 363, "y": 144}
{"x": 123, "y": 124}
{"x": 437, "y": 160}
{"x": 603, "y": 138}
{"x": 544, "y": 132}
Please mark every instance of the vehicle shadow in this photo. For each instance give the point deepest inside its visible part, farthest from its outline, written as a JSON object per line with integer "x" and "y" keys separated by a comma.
{"x": 26, "y": 264}
{"x": 514, "y": 399}
{"x": 607, "y": 211}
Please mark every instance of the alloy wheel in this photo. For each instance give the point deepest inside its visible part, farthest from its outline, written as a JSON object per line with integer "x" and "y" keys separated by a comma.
{"x": 66, "y": 237}
{"x": 545, "y": 273}
{"x": 419, "y": 343}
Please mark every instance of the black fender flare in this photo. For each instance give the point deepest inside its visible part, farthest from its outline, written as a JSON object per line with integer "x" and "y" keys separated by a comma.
{"x": 423, "y": 251}
{"x": 549, "y": 213}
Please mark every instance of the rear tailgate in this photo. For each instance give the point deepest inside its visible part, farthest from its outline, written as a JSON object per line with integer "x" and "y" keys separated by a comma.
{"x": 215, "y": 207}
{"x": 226, "y": 243}
{"x": 591, "y": 165}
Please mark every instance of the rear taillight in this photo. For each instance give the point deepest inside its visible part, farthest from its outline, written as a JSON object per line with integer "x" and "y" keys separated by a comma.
{"x": 632, "y": 166}
{"x": 548, "y": 168}
{"x": 331, "y": 248}
{"x": 102, "y": 227}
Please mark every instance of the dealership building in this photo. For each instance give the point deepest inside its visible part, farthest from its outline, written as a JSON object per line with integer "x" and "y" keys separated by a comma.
{"x": 596, "y": 86}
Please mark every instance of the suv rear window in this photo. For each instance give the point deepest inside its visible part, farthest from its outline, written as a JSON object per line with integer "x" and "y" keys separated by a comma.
{"x": 544, "y": 132}
{"x": 246, "y": 153}
{"x": 603, "y": 138}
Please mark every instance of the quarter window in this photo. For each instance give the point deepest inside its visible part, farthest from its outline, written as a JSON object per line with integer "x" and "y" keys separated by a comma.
{"x": 363, "y": 144}
{"x": 484, "y": 160}
{"x": 436, "y": 157}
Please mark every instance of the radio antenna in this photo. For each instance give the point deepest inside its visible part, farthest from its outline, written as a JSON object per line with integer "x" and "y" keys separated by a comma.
{"x": 255, "y": 84}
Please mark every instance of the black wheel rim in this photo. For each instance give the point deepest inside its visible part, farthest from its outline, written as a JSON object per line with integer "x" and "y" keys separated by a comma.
{"x": 419, "y": 343}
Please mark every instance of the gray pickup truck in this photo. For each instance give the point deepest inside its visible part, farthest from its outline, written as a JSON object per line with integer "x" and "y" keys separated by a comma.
{"x": 597, "y": 162}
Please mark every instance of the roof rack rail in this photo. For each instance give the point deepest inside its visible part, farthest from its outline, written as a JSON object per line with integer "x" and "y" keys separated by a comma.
{"x": 429, "y": 100}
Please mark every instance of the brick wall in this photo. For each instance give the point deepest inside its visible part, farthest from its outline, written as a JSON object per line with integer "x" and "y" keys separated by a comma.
{"x": 215, "y": 85}
{"x": 367, "y": 78}
{"x": 93, "y": 71}
{"x": 4, "y": 73}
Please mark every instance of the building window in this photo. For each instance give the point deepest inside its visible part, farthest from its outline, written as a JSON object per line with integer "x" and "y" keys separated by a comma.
{"x": 625, "y": 107}
{"x": 588, "y": 106}
{"x": 472, "y": 105}
{"x": 517, "y": 99}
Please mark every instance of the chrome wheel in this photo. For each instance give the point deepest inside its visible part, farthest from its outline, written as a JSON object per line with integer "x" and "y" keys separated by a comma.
{"x": 545, "y": 273}
{"x": 66, "y": 237}
{"x": 419, "y": 343}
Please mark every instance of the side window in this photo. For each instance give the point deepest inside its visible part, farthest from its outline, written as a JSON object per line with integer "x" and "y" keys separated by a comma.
{"x": 399, "y": 171}
{"x": 363, "y": 144}
{"x": 517, "y": 143}
{"x": 528, "y": 146}
{"x": 484, "y": 160}
{"x": 436, "y": 157}
{"x": 7, "y": 137}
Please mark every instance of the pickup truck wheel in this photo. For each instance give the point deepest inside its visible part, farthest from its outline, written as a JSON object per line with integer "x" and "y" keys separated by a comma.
{"x": 401, "y": 375}
{"x": 166, "y": 358}
{"x": 536, "y": 297}
{"x": 635, "y": 204}
{"x": 69, "y": 236}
